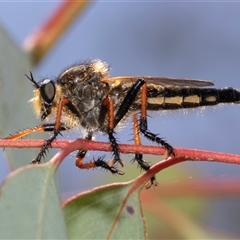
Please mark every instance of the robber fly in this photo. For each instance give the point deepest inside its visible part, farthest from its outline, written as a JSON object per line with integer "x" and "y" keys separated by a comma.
{"x": 85, "y": 95}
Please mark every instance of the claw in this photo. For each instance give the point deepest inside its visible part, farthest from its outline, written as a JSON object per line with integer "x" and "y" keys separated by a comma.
{"x": 34, "y": 161}
{"x": 113, "y": 169}
{"x": 169, "y": 153}
{"x": 119, "y": 172}
{"x": 113, "y": 161}
{"x": 151, "y": 182}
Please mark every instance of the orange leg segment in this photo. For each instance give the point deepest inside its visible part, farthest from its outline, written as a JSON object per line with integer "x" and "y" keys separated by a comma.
{"x": 144, "y": 102}
{"x": 81, "y": 154}
{"x": 144, "y": 125}
{"x": 108, "y": 102}
{"x": 40, "y": 128}
{"x": 26, "y": 132}
{"x": 138, "y": 156}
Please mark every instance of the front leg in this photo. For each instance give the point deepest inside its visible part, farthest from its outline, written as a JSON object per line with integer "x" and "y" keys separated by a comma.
{"x": 45, "y": 147}
{"x": 48, "y": 127}
{"x": 56, "y": 130}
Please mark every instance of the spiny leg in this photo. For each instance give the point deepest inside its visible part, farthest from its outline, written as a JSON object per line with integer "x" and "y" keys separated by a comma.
{"x": 121, "y": 112}
{"x": 144, "y": 126}
{"x": 125, "y": 106}
{"x": 81, "y": 154}
{"x": 56, "y": 130}
{"x": 108, "y": 103}
{"x": 128, "y": 101}
{"x": 138, "y": 156}
{"x": 108, "y": 109}
{"x": 95, "y": 163}
{"x": 48, "y": 127}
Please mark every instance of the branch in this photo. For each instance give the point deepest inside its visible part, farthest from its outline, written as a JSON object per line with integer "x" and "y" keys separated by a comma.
{"x": 39, "y": 42}
{"x": 69, "y": 146}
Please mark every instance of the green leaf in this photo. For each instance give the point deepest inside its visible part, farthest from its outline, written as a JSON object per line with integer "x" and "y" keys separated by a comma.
{"x": 30, "y": 206}
{"x": 15, "y": 91}
{"x": 106, "y": 212}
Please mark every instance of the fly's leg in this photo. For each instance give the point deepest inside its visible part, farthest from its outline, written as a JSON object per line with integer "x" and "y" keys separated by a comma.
{"x": 81, "y": 154}
{"x": 49, "y": 127}
{"x": 144, "y": 126}
{"x": 121, "y": 112}
{"x": 138, "y": 156}
{"x": 55, "y": 128}
{"x": 95, "y": 163}
{"x": 55, "y": 131}
{"x": 109, "y": 105}
{"x": 128, "y": 101}
{"x": 40, "y": 128}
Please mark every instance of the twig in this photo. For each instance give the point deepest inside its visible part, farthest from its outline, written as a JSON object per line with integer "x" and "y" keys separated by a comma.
{"x": 187, "y": 154}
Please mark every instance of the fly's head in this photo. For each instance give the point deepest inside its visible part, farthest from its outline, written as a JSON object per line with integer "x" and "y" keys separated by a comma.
{"x": 44, "y": 100}
{"x": 82, "y": 85}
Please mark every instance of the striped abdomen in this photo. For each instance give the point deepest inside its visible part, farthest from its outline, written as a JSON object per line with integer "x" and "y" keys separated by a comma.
{"x": 174, "y": 97}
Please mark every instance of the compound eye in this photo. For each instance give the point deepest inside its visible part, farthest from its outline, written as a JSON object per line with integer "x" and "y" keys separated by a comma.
{"x": 47, "y": 90}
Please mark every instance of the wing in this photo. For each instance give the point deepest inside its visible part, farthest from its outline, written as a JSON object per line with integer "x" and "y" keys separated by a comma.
{"x": 160, "y": 81}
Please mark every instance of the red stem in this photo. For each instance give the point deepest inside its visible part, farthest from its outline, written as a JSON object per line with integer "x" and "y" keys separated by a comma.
{"x": 40, "y": 41}
{"x": 187, "y": 154}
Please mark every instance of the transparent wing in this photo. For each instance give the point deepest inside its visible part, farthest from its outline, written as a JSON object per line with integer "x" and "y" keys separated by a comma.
{"x": 160, "y": 81}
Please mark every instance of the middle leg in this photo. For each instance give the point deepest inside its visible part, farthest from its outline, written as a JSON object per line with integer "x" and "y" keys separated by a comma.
{"x": 95, "y": 163}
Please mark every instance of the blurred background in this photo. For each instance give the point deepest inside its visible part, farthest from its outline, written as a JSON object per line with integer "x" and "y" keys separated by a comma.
{"x": 185, "y": 40}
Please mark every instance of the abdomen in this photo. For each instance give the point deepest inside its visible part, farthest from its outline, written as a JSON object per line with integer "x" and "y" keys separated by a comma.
{"x": 187, "y": 97}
